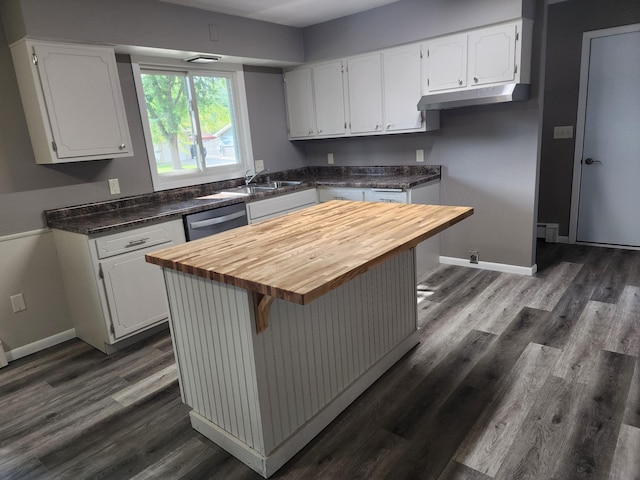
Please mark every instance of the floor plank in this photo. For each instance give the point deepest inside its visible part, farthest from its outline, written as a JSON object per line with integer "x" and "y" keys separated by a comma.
{"x": 579, "y": 358}
{"x": 544, "y": 432}
{"x": 626, "y": 461}
{"x": 592, "y": 444}
{"x": 625, "y": 335}
{"x": 491, "y": 438}
{"x": 471, "y": 385}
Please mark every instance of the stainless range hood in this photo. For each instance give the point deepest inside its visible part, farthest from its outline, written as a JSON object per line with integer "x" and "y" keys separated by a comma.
{"x": 476, "y": 96}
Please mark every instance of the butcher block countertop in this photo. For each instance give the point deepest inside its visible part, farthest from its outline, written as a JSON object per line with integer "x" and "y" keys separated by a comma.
{"x": 303, "y": 255}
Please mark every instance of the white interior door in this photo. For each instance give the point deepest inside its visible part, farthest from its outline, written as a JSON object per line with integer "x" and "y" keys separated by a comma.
{"x": 609, "y": 160}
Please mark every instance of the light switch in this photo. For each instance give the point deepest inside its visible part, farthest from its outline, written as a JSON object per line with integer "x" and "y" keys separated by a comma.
{"x": 330, "y": 158}
{"x": 259, "y": 164}
{"x": 420, "y": 155}
{"x": 563, "y": 132}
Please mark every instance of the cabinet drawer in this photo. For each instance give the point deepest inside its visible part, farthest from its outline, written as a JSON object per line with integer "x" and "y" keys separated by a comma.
{"x": 327, "y": 194}
{"x": 389, "y": 196}
{"x": 281, "y": 204}
{"x": 132, "y": 240}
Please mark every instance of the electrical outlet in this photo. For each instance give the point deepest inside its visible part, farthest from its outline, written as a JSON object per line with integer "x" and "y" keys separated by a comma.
{"x": 420, "y": 155}
{"x": 330, "y": 158}
{"x": 17, "y": 303}
{"x": 259, "y": 164}
{"x": 474, "y": 256}
{"x": 114, "y": 186}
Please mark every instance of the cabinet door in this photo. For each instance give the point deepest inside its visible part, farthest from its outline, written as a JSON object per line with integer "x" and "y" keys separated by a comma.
{"x": 492, "y": 55}
{"x": 135, "y": 291}
{"x": 402, "y": 88}
{"x": 445, "y": 61}
{"x": 81, "y": 90}
{"x": 299, "y": 96}
{"x": 328, "y": 92}
{"x": 365, "y": 93}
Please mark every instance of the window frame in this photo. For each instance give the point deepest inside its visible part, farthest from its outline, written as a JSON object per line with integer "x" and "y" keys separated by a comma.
{"x": 241, "y": 116}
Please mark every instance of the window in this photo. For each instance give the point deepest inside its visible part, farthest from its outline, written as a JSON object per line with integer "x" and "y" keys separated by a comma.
{"x": 193, "y": 124}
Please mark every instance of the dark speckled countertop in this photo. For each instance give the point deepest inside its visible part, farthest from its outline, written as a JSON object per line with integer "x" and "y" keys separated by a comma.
{"x": 108, "y": 216}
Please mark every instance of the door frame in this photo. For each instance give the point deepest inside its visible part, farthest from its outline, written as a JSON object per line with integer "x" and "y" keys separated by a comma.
{"x": 581, "y": 120}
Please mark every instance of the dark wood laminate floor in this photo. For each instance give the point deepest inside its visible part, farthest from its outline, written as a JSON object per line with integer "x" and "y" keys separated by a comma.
{"x": 515, "y": 378}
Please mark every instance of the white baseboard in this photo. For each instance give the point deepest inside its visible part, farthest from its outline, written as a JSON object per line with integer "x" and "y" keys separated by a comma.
{"x": 35, "y": 347}
{"x": 563, "y": 239}
{"x": 497, "y": 267}
{"x": 3, "y": 358}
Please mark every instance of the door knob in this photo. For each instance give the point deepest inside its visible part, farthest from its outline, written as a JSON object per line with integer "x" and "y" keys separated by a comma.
{"x": 591, "y": 161}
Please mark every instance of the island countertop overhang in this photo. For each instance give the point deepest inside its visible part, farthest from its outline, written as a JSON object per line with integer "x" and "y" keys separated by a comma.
{"x": 303, "y": 255}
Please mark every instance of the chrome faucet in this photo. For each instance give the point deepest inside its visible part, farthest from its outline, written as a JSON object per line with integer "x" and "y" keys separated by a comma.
{"x": 249, "y": 178}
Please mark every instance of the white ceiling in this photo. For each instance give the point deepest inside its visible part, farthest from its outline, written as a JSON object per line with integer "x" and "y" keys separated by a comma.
{"x": 295, "y": 13}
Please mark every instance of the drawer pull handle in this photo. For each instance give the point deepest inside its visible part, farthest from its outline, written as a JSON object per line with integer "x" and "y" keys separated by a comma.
{"x": 135, "y": 243}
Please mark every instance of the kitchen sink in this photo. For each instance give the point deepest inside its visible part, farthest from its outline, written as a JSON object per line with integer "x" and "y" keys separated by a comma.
{"x": 279, "y": 184}
{"x": 247, "y": 189}
{"x": 260, "y": 187}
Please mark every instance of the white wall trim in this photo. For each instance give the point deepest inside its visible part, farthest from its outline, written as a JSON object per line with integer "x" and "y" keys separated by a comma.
{"x": 35, "y": 347}
{"x": 30, "y": 233}
{"x": 496, "y": 267}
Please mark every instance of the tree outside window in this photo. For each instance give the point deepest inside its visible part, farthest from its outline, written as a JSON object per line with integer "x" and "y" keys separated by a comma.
{"x": 191, "y": 121}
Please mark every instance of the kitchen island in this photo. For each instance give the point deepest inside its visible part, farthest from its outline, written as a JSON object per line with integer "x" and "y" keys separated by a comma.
{"x": 280, "y": 325}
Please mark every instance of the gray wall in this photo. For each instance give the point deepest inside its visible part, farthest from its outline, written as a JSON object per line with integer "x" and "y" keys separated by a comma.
{"x": 152, "y": 23}
{"x": 567, "y": 22}
{"x": 489, "y": 154}
{"x": 27, "y": 189}
{"x": 403, "y": 22}
{"x": 268, "y": 120}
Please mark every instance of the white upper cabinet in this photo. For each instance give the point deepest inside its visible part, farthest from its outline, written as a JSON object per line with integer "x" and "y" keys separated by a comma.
{"x": 299, "y": 98}
{"x": 445, "y": 61}
{"x": 487, "y": 56}
{"x": 401, "y": 83}
{"x": 492, "y": 57}
{"x": 377, "y": 93}
{"x": 72, "y": 101}
{"x": 365, "y": 93}
{"x": 329, "y": 99}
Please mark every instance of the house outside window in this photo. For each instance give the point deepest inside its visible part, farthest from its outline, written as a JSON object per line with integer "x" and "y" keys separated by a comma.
{"x": 195, "y": 123}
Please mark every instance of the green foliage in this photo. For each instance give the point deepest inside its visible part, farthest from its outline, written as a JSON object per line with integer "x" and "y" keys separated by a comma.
{"x": 165, "y": 96}
{"x": 212, "y": 97}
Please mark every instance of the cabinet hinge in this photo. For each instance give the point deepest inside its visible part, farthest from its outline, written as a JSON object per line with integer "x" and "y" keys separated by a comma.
{"x": 111, "y": 329}
{"x": 54, "y": 146}
{"x": 515, "y": 68}
{"x": 345, "y": 124}
{"x": 34, "y": 58}
{"x": 517, "y": 36}
{"x": 427, "y": 82}
{"x": 100, "y": 272}
{"x": 427, "y": 53}
{"x": 341, "y": 68}
{"x": 421, "y": 55}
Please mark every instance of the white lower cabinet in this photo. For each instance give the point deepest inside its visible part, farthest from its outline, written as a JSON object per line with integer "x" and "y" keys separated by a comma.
{"x": 112, "y": 292}
{"x": 276, "y": 206}
{"x": 427, "y": 252}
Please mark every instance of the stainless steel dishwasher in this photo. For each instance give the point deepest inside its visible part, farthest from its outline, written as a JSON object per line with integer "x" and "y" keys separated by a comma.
{"x": 216, "y": 220}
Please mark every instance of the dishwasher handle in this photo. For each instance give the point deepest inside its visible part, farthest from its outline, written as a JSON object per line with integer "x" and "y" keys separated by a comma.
{"x": 216, "y": 220}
